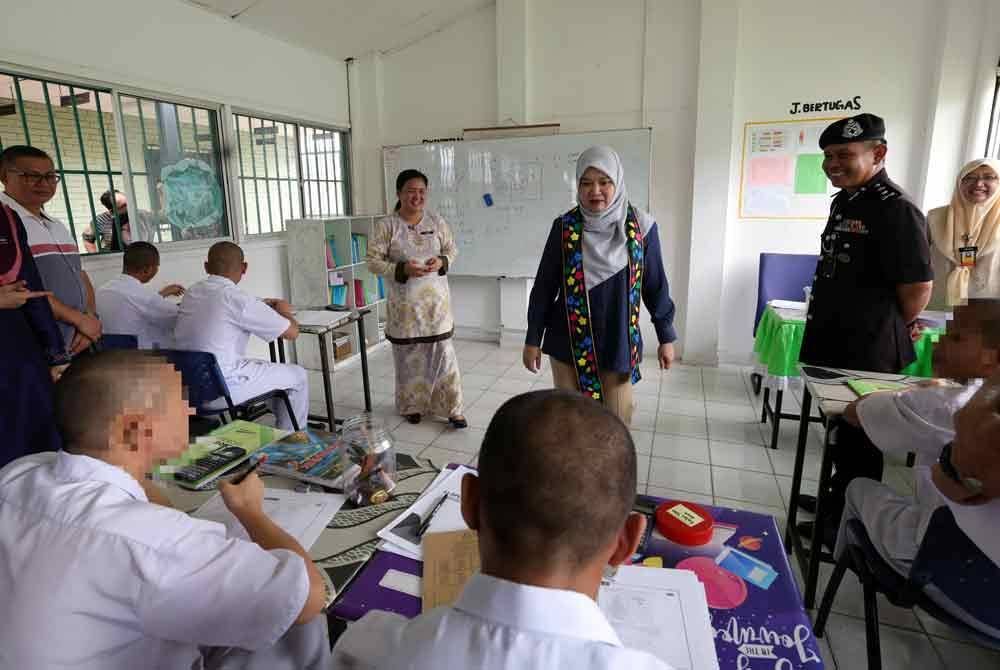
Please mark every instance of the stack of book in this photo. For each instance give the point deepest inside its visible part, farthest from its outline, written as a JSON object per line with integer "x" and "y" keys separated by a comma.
{"x": 359, "y": 247}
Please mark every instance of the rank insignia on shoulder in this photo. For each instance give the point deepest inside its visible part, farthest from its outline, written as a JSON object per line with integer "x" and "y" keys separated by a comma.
{"x": 856, "y": 226}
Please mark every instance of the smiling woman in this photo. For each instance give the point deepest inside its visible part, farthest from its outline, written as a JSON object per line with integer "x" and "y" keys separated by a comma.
{"x": 964, "y": 237}
{"x": 601, "y": 258}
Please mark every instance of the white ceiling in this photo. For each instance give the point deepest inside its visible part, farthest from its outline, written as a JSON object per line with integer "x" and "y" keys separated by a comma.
{"x": 344, "y": 28}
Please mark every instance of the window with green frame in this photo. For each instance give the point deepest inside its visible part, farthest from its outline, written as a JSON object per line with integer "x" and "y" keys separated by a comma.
{"x": 75, "y": 126}
{"x": 174, "y": 154}
{"x": 288, "y": 170}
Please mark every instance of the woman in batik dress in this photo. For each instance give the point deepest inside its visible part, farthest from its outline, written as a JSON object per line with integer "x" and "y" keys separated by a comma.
{"x": 601, "y": 259}
{"x": 413, "y": 248}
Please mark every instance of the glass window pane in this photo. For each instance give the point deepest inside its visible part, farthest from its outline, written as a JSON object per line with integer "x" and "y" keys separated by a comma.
{"x": 75, "y": 126}
{"x": 175, "y": 154}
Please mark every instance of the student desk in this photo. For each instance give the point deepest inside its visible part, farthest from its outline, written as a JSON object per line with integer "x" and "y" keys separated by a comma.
{"x": 776, "y": 353}
{"x": 323, "y": 332}
{"x": 829, "y": 388}
{"x": 755, "y": 626}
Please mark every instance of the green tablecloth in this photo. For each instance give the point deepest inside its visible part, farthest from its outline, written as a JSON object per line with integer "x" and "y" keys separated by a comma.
{"x": 779, "y": 339}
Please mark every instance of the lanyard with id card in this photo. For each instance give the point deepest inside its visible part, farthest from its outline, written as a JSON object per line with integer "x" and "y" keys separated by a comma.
{"x": 967, "y": 256}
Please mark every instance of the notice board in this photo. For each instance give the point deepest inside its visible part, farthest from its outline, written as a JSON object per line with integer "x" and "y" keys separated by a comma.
{"x": 781, "y": 171}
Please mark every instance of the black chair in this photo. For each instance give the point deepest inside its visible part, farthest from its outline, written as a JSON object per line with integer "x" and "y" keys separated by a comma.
{"x": 117, "y": 341}
{"x": 206, "y": 387}
{"x": 948, "y": 562}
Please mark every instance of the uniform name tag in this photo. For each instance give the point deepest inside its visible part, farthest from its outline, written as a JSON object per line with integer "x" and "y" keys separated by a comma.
{"x": 967, "y": 256}
{"x": 856, "y": 226}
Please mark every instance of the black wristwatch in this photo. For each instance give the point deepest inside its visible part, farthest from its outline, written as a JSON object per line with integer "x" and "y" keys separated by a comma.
{"x": 970, "y": 484}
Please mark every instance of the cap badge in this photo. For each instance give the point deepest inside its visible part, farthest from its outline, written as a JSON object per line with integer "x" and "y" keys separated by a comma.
{"x": 852, "y": 129}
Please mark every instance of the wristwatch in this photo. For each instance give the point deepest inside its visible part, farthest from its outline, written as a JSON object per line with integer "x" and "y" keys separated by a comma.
{"x": 970, "y": 484}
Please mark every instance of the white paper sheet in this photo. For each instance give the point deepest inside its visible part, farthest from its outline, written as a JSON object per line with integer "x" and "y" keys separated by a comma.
{"x": 663, "y": 612}
{"x": 400, "y": 535}
{"x": 301, "y": 515}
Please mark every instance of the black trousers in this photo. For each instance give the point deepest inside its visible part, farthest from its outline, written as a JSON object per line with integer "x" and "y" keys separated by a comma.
{"x": 853, "y": 455}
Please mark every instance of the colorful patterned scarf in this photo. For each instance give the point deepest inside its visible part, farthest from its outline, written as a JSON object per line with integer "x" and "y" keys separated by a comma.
{"x": 581, "y": 333}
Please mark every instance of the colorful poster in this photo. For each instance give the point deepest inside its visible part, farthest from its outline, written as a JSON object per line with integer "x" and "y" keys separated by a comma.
{"x": 781, "y": 173}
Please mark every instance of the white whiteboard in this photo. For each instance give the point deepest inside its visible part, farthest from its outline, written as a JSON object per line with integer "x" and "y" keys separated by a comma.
{"x": 531, "y": 181}
{"x": 781, "y": 175}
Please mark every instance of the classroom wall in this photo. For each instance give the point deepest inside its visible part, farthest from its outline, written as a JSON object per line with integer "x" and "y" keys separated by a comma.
{"x": 588, "y": 78}
{"x": 696, "y": 71}
{"x": 173, "y": 48}
{"x": 917, "y": 74}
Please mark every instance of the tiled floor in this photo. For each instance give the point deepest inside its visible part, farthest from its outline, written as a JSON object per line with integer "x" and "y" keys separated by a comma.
{"x": 697, "y": 434}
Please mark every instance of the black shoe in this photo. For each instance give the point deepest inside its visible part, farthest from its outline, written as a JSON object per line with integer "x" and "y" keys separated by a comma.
{"x": 413, "y": 418}
{"x": 807, "y": 503}
{"x": 458, "y": 422}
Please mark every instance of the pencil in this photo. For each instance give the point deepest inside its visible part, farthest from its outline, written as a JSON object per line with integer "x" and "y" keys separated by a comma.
{"x": 426, "y": 523}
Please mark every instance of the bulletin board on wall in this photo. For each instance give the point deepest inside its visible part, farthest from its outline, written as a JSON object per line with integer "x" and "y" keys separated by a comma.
{"x": 781, "y": 171}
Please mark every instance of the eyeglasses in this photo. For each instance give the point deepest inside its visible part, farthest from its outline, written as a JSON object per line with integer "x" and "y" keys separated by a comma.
{"x": 986, "y": 179}
{"x": 50, "y": 178}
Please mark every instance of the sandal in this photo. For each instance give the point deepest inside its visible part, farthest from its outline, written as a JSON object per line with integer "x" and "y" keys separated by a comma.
{"x": 413, "y": 418}
{"x": 458, "y": 422}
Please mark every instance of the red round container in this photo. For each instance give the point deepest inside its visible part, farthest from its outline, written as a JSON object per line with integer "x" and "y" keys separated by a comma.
{"x": 684, "y": 523}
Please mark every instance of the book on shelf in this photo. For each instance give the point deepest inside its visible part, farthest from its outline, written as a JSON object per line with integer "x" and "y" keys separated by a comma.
{"x": 381, "y": 287}
{"x": 338, "y": 295}
{"x": 331, "y": 253}
{"x": 359, "y": 293}
{"x": 307, "y": 455}
{"x": 359, "y": 247}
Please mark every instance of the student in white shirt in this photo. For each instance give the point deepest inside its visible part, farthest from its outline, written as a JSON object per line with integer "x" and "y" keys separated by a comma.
{"x": 128, "y": 306}
{"x": 218, "y": 317}
{"x": 924, "y": 420}
{"x": 552, "y": 504}
{"x": 100, "y": 572}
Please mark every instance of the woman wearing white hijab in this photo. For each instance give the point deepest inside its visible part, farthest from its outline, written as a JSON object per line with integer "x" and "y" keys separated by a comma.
{"x": 964, "y": 238}
{"x": 600, "y": 259}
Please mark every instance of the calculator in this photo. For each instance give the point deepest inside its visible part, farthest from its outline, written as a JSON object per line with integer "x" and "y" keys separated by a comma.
{"x": 212, "y": 462}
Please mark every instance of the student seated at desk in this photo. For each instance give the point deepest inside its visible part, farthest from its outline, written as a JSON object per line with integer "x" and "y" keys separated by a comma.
{"x": 100, "y": 572}
{"x": 924, "y": 420}
{"x": 552, "y": 504}
{"x": 127, "y": 306}
{"x": 218, "y": 317}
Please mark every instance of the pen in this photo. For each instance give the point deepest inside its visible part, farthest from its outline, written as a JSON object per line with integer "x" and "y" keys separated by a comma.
{"x": 238, "y": 479}
{"x": 426, "y": 523}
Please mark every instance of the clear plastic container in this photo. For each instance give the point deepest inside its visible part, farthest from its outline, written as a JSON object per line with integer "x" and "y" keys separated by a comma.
{"x": 369, "y": 460}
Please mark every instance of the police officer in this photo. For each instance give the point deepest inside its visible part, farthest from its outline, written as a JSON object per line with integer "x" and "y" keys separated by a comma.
{"x": 874, "y": 275}
{"x": 872, "y": 280}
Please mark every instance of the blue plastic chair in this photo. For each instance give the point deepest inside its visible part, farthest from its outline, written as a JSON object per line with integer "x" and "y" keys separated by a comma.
{"x": 205, "y": 386}
{"x": 782, "y": 277}
{"x": 947, "y": 560}
{"x": 117, "y": 341}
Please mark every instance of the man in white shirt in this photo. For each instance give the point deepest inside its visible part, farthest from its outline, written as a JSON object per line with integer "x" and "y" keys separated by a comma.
{"x": 100, "y": 572}
{"x": 552, "y": 504}
{"x": 924, "y": 420}
{"x": 29, "y": 180}
{"x": 218, "y": 317}
{"x": 127, "y": 306}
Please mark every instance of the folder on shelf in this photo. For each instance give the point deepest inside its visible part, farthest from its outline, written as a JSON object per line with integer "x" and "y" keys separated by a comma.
{"x": 359, "y": 293}
{"x": 381, "y": 288}
{"x": 331, "y": 253}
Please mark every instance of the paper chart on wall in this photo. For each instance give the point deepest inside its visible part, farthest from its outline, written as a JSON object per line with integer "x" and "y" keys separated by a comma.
{"x": 782, "y": 171}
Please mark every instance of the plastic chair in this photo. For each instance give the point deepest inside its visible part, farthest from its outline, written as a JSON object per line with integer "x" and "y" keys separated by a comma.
{"x": 116, "y": 341}
{"x": 782, "y": 277}
{"x": 206, "y": 387}
{"x": 947, "y": 560}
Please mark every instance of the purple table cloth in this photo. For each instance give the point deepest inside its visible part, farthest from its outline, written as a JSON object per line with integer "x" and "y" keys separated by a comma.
{"x": 754, "y": 602}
